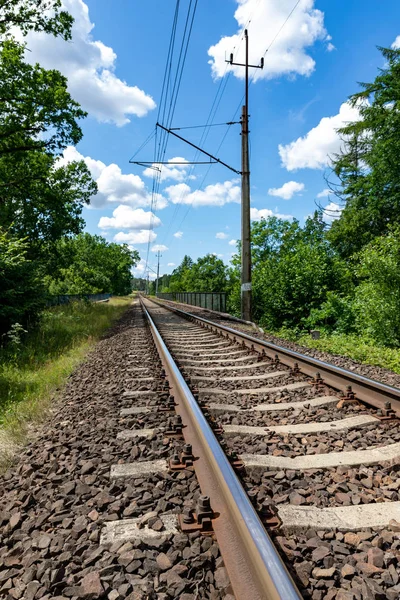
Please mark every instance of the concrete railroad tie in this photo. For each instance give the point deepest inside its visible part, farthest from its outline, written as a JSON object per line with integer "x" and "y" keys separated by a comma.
{"x": 130, "y": 529}
{"x": 242, "y": 377}
{"x": 264, "y": 390}
{"x": 389, "y": 453}
{"x": 342, "y": 424}
{"x": 344, "y": 518}
{"x": 304, "y": 404}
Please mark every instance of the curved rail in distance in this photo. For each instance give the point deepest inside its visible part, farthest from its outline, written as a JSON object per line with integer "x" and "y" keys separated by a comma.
{"x": 254, "y": 566}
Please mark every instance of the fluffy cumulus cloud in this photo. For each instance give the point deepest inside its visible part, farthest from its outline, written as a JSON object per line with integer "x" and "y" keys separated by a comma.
{"x": 175, "y": 172}
{"x": 139, "y": 270}
{"x": 89, "y": 65}
{"x": 125, "y": 217}
{"x": 221, "y": 235}
{"x": 288, "y": 53}
{"x": 287, "y": 191}
{"x": 396, "y": 43}
{"x": 313, "y": 151}
{"x": 233, "y": 242}
{"x": 135, "y": 237}
{"x": 178, "y": 234}
{"x": 331, "y": 212}
{"x": 324, "y": 194}
{"x": 114, "y": 187}
{"x": 159, "y": 248}
{"x": 263, "y": 213}
{"x": 216, "y": 194}
{"x": 170, "y": 264}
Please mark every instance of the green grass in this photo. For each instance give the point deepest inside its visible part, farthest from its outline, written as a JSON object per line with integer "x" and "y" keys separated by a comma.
{"x": 31, "y": 372}
{"x": 353, "y": 346}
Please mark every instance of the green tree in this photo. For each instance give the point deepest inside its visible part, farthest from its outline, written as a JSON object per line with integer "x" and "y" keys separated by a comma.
{"x": 377, "y": 297}
{"x": 207, "y": 274}
{"x": 21, "y": 290}
{"x": 35, "y": 15}
{"x": 91, "y": 265}
{"x": 41, "y": 200}
{"x": 295, "y": 270}
{"x": 368, "y": 167}
{"x": 179, "y": 275}
{"x": 36, "y": 109}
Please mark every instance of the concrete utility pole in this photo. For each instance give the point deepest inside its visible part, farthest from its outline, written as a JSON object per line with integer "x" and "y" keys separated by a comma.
{"x": 246, "y": 241}
{"x": 158, "y": 270}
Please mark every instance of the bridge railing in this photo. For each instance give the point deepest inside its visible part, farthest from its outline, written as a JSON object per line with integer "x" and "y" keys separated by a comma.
{"x": 67, "y": 298}
{"x": 211, "y": 300}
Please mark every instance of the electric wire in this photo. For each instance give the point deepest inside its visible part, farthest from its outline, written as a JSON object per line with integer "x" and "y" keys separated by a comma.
{"x": 163, "y": 139}
{"x": 240, "y": 103}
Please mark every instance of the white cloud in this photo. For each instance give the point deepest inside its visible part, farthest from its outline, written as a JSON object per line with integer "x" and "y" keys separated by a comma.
{"x": 217, "y": 255}
{"x": 170, "y": 264}
{"x": 263, "y": 213}
{"x": 396, "y": 43}
{"x": 330, "y": 47}
{"x": 114, "y": 187}
{"x": 125, "y": 217}
{"x": 216, "y": 194}
{"x": 159, "y": 248}
{"x": 135, "y": 237}
{"x": 139, "y": 270}
{"x": 176, "y": 173}
{"x": 221, "y": 235}
{"x": 89, "y": 66}
{"x": 313, "y": 151}
{"x": 232, "y": 242}
{"x": 331, "y": 212}
{"x": 287, "y": 190}
{"x": 287, "y": 55}
{"x": 326, "y": 192}
{"x": 178, "y": 234}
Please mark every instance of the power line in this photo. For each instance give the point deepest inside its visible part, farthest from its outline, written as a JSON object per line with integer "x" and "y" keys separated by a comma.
{"x": 159, "y": 153}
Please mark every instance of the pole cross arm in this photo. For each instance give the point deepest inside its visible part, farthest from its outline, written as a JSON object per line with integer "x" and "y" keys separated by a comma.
{"x": 198, "y": 148}
{"x": 260, "y": 66}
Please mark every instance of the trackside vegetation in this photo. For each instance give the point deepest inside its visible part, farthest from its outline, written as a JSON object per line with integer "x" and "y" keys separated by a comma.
{"x": 340, "y": 277}
{"x": 43, "y": 249}
{"x": 34, "y": 365}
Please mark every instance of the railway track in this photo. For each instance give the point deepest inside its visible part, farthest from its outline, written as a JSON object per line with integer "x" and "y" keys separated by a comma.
{"x": 188, "y": 460}
{"x": 316, "y": 448}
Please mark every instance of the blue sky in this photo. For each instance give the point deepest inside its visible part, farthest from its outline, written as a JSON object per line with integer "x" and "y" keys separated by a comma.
{"x": 115, "y": 66}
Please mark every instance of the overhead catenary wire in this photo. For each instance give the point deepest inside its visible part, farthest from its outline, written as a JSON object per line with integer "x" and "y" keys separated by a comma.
{"x": 160, "y": 148}
{"x": 236, "y": 111}
{"x": 212, "y": 113}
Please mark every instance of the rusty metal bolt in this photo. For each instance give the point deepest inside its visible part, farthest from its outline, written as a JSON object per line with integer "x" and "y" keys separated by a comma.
{"x": 187, "y": 449}
{"x": 388, "y": 405}
{"x": 175, "y": 460}
{"x": 203, "y": 506}
{"x": 188, "y": 516}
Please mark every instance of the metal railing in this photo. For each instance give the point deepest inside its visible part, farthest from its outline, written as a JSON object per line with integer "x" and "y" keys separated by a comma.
{"x": 210, "y": 300}
{"x": 67, "y": 298}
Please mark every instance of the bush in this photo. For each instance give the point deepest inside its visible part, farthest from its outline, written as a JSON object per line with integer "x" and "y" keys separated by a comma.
{"x": 377, "y": 297}
{"x": 335, "y": 314}
{"x": 22, "y": 294}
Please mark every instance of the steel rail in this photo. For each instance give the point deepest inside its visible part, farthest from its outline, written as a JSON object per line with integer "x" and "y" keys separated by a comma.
{"x": 253, "y": 564}
{"x": 367, "y": 390}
